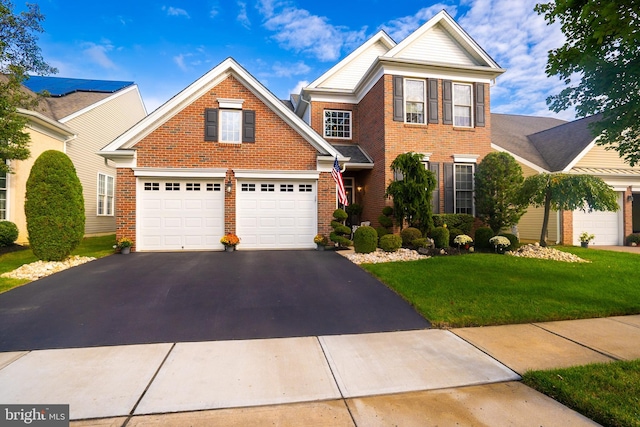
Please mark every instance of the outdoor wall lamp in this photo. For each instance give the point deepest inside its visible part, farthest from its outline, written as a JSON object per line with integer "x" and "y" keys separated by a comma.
{"x": 228, "y": 186}
{"x": 360, "y": 189}
{"x": 630, "y": 198}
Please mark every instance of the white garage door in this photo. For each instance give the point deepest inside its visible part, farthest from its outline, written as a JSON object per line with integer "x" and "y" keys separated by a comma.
{"x": 605, "y": 226}
{"x": 276, "y": 214}
{"x": 180, "y": 214}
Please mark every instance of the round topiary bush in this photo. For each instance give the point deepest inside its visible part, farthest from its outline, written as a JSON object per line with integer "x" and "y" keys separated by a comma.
{"x": 385, "y": 221}
{"x": 440, "y": 237}
{"x": 365, "y": 240}
{"x": 410, "y": 234}
{"x": 8, "y": 233}
{"x": 390, "y": 242}
{"x": 382, "y": 231}
{"x": 483, "y": 234}
{"x": 633, "y": 238}
{"x": 387, "y": 211}
{"x": 340, "y": 215}
{"x": 54, "y": 207}
{"x": 515, "y": 242}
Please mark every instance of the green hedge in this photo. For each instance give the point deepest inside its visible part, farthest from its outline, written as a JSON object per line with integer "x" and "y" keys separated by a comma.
{"x": 463, "y": 222}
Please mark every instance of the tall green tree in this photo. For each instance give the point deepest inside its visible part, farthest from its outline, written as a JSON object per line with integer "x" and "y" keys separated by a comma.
{"x": 600, "y": 64}
{"x": 412, "y": 193}
{"x": 498, "y": 183}
{"x": 19, "y": 55}
{"x": 560, "y": 191}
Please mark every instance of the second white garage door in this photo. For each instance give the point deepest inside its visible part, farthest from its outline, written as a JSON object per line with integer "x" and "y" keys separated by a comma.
{"x": 276, "y": 214}
{"x": 605, "y": 226}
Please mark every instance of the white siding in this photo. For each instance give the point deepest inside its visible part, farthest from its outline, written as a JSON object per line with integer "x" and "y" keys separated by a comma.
{"x": 349, "y": 76}
{"x": 437, "y": 45}
{"x": 96, "y": 128}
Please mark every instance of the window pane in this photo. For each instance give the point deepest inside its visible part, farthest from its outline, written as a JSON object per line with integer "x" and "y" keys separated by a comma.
{"x": 462, "y": 116}
{"x": 415, "y": 112}
{"x": 337, "y": 124}
{"x": 464, "y": 202}
{"x": 101, "y": 183}
{"x": 414, "y": 105}
{"x": 462, "y": 95}
{"x": 414, "y": 91}
{"x": 230, "y": 126}
{"x": 3, "y": 180}
{"x": 110, "y": 186}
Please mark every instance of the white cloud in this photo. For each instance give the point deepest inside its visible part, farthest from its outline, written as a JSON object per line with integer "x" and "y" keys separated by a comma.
{"x": 242, "y": 17}
{"x": 298, "y": 30}
{"x": 289, "y": 70}
{"x": 299, "y": 86}
{"x": 97, "y": 53}
{"x": 179, "y": 60}
{"x": 400, "y": 28}
{"x": 175, "y": 11}
{"x": 518, "y": 39}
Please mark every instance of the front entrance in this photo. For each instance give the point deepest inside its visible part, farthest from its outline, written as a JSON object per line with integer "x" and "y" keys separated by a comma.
{"x": 636, "y": 212}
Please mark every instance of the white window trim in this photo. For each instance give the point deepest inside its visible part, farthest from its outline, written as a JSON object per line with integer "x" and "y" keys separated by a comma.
{"x": 105, "y": 196}
{"x": 324, "y": 123}
{"x": 230, "y": 104}
{"x": 471, "y": 104}
{"x": 473, "y": 186}
{"x": 8, "y": 198}
{"x": 424, "y": 102}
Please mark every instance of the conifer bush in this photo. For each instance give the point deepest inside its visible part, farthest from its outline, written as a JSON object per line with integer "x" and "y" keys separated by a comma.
{"x": 410, "y": 234}
{"x": 390, "y": 242}
{"x": 8, "y": 233}
{"x": 440, "y": 237}
{"x": 54, "y": 207}
{"x": 483, "y": 234}
{"x": 365, "y": 240}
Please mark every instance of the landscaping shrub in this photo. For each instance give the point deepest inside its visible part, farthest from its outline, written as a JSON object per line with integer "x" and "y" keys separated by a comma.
{"x": 390, "y": 242}
{"x": 515, "y": 242}
{"x": 453, "y": 233}
{"x": 423, "y": 242}
{"x": 365, "y": 240}
{"x": 483, "y": 234}
{"x": 340, "y": 230}
{"x": 440, "y": 237}
{"x": 462, "y": 222}
{"x": 54, "y": 207}
{"x": 385, "y": 221}
{"x": 387, "y": 211}
{"x": 8, "y": 233}
{"x": 408, "y": 235}
{"x": 633, "y": 238}
{"x": 382, "y": 231}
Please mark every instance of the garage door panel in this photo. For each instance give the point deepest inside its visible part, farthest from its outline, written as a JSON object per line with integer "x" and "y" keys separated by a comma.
{"x": 606, "y": 226}
{"x": 174, "y": 218}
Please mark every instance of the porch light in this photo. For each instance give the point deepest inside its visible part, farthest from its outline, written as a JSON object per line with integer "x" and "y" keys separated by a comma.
{"x": 360, "y": 189}
{"x": 630, "y": 198}
{"x": 228, "y": 186}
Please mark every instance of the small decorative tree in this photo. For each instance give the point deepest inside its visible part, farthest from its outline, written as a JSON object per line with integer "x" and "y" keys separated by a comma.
{"x": 54, "y": 207}
{"x": 340, "y": 230}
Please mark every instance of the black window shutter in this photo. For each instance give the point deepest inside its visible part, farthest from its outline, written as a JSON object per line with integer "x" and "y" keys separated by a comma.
{"x": 435, "y": 197}
{"x": 449, "y": 192}
{"x": 447, "y": 102}
{"x": 480, "y": 119}
{"x": 248, "y": 126}
{"x": 432, "y": 95}
{"x": 398, "y": 99}
{"x": 211, "y": 124}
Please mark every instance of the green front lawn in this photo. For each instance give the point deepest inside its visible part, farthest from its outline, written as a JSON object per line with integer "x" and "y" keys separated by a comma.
{"x": 489, "y": 289}
{"x": 608, "y": 393}
{"x": 97, "y": 247}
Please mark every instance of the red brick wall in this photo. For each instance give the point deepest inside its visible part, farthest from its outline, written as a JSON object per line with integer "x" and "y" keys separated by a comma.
{"x": 179, "y": 143}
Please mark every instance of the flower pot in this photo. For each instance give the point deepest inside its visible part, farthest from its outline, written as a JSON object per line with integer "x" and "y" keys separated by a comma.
{"x": 584, "y": 244}
{"x": 319, "y": 247}
{"x": 125, "y": 250}
{"x": 229, "y": 248}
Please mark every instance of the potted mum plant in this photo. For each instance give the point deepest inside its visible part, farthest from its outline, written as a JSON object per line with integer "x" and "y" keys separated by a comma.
{"x": 462, "y": 240}
{"x": 585, "y": 238}
{"x": 321, "y": 241}
{"x": 500, "y": 243}
{"x": 123, "y": 244}
{"x": 230, "y": 241}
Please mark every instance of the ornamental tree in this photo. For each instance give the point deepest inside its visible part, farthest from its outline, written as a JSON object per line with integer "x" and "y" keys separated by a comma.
{"x": 19, "y": 55}
{"x": 498, "y": 183}
{"x": 567, "y": 192}
{"x": 600, "y": 64}
{"x": 54, "y": 207}
{"x": 412, "y": 193}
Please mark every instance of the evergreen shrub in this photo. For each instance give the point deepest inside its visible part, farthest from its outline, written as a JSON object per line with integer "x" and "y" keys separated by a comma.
{"x": 390, "y": 242}
{"x": 515, "y": 242}
{"x": 365, "y": 240}
{"x": 410, "y": 234}
{"x": 440, "y": 237}
{"x": 483, "y": 234}
{"x": 8, "y": 233}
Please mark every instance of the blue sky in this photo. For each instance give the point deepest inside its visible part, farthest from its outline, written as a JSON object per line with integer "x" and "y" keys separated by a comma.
{"x": 164, "y": 46}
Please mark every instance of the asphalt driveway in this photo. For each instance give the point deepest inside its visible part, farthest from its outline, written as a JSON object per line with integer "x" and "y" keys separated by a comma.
{"x": 200, "y": 296}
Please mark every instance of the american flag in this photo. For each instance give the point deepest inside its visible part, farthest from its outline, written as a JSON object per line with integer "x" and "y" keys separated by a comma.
{"x": 337, "y": 177}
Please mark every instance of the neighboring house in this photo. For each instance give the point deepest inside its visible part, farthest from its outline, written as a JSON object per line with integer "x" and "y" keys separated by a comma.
{"x": 79, "y": 118}
{"x": 542, "y": 144}
{"x": 225, "y": 155}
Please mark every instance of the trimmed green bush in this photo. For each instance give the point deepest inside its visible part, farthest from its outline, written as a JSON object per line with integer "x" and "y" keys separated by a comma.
{"x": 422, "y": 243}
{"x": 340, "y": 230}
{"x": 365, "y": 240}
{"x": 453, "y": 233}
{"x": 440, "y": 237}
{"x": 463, "y": 222}
{"x": 385, "y": 221}
{"x": 54, "y": 207}
{"x": 8, "y": 233}
{"x": 515, "y": 242}
{"x": 483, "y": 234}
{"x": 382, "y": 231}
{"x": 410, "y": 234}
{"x": 340, "y": 215}
{"x": 633, "y": 238}
{"x": 387, "y": 211}
{"x": 390, "y": 242}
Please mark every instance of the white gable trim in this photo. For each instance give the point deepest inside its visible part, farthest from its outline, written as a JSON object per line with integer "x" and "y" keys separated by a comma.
{"x": 104, "y": 101}
{"x": 459, "y": 34}
{"x": 520, "y": 159}
{"x": 581, "y": 155}
{"x": 200, "y": 87}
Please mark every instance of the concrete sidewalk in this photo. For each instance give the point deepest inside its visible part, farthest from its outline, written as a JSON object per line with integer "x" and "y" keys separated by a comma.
{"x": 467, "y": 376}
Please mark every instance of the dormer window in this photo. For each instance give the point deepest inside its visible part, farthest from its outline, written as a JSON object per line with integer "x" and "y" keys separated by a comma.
{"x": 337, "y": 124}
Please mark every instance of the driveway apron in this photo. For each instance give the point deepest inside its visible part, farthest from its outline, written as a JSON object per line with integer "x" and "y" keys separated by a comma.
{"x": 200, "y": 296}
